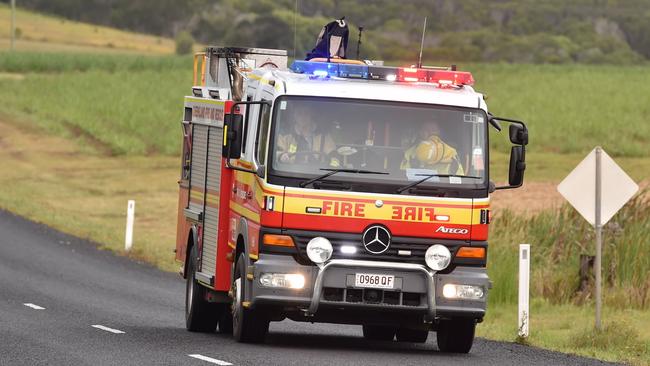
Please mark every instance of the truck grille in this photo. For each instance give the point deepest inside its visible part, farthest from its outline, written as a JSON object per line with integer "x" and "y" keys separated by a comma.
{"x": 397, "y": 252}
{"x": 372, "y": 296}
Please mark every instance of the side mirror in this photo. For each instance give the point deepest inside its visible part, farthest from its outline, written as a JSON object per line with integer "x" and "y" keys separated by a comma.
{"x": 518, "y": 134}
{"x": 233, "y": 126}
{"x": 517, "y": 166}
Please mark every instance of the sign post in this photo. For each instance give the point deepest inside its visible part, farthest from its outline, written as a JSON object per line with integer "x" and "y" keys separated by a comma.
{"x": 597, "y": 188}
{"x": 599, "y": 239}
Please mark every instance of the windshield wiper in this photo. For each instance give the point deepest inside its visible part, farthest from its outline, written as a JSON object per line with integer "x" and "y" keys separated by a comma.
{"x": 429, "y": 176}
{"x": 334, "y": 171}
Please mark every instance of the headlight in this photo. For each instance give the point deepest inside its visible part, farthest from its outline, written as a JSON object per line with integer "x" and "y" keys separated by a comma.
{"x": 469, "y": 292}
{"x": 283, "y": 280}
{"x": 437, "y": 257}
{"x": 319, "y": 249}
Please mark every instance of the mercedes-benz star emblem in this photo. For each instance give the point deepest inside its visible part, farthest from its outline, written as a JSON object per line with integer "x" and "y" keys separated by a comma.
{"x": 376, "y": 239}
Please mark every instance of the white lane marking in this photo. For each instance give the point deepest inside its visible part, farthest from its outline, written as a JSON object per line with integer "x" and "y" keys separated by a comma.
{"x": 210, "y": 359}
{"x": 33, "y": 306}
{"x": 116, "y": 331}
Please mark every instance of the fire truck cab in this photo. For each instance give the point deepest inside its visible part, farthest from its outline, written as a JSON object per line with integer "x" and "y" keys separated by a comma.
{"x": 336, "y": 191}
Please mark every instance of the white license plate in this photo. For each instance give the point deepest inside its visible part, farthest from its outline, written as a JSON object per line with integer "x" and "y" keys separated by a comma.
{"x": 374, "y": 280}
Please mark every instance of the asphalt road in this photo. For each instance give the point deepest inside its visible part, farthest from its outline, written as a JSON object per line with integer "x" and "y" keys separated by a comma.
{"x": 64, "y": 302}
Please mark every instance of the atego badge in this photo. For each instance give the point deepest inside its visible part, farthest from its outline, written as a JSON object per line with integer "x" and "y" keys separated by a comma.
{"x": 452, "y": 230}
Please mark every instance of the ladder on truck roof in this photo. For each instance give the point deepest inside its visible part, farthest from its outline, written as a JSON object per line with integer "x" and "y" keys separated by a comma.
{"x": 218, "y": 71}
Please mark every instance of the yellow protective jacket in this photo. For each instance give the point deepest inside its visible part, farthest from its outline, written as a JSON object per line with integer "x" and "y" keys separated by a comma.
{"x": 292, "y": 144}
{"x": 435, "y": 154}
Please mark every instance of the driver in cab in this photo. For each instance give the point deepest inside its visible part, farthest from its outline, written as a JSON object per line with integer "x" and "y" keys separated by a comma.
{"x": 302, "y": 144}
{"x": 429, "y": 151}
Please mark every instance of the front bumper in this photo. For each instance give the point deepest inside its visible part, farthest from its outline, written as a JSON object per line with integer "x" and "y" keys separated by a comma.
{"x": 418, "y": 289}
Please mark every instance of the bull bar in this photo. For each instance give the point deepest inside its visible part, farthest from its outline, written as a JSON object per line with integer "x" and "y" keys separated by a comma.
{"x": 349, "y": 263}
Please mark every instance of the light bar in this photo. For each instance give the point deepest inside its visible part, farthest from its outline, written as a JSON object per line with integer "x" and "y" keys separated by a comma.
{"x": 443, "y": 78}
{"x": 411, "y": 74}
{"x": 353, "y": 71}
{"x": 321, "y": 69}
{"x": 382, "y": 73}
{"x": 448, "y": 77}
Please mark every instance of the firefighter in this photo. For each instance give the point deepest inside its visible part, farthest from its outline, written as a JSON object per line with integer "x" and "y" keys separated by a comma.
{"x": 430, "y": 152}
{"x": 302, "y": 144}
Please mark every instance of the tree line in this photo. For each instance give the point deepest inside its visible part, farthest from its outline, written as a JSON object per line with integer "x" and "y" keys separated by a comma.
{"x": 526, "y": 31}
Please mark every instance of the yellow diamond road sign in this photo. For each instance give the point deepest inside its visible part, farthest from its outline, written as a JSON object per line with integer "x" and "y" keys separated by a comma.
{"x": 579, "y": 188}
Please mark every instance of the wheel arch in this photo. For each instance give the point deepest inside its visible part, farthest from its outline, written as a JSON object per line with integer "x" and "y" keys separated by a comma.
{"x": 192, "y": 239}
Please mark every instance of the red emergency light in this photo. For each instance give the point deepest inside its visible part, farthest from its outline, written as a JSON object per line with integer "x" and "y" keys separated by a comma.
{"x": 440, "y": 77}
{"x": 450, "y": 77}
{"x": 411, "y": 74}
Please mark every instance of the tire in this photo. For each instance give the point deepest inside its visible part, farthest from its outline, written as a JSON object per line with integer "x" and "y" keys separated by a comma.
{"x": 456, "y": 335}
{"x": 378, "y": 333}
{"x": 248, "y": 325}
{"x": 225, "y": 321}
{"x": 200, "y": 315}
{"x": 412, "y": 335}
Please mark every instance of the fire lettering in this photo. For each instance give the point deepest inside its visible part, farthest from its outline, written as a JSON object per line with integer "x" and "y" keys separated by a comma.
{"x": 410, "y": 213}
{"x": 337, "y": 208}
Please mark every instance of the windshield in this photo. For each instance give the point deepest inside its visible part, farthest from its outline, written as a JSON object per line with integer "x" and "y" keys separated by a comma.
{"x": 406, "y": 142}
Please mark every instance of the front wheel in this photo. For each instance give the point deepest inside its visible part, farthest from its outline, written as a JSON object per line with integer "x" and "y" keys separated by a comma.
{"x": 456, "y": 335}
{"x": 248, "y": 325}
{"x": 200, "y": 315}
{"x": 378, "y": 333}
{"x": 412, "y": 335}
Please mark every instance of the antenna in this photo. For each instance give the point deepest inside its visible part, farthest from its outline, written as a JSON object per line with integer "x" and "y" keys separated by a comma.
{"x": 424, "y": 30}
{"x": 359, "y": 41}
{"x": 295, "y": 31}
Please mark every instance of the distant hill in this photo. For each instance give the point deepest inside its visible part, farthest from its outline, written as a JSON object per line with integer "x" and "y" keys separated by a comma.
{"x": 521, "y": 31}
{"x": 38, "y": 32}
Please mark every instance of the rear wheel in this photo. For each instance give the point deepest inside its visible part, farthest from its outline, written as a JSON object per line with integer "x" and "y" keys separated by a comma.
{"x": 378, "y": 332}
{"x": 412, "y": 335}
{"x": 456, "y": 335}
{"x": 248, "y": 325}
{"x": 200, "y": 315}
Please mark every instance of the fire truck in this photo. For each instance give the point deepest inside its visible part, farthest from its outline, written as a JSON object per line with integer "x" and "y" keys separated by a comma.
{"x": 337, "y": 191}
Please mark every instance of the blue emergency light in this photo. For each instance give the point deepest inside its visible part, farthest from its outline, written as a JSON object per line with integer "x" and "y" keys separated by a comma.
{"x": 322, "y": 69}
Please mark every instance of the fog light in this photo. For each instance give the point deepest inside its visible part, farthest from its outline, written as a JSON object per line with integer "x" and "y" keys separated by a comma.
{"x": 348, "y": 249}
{"x": 468, "y": 292}
{"x": 319, "y": 250}
{"x": 282, "y": 280}
{"x": 437, "y": 257}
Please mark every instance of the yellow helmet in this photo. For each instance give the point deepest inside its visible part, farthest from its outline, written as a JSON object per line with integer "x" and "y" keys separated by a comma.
{"x": 434, "y": 151}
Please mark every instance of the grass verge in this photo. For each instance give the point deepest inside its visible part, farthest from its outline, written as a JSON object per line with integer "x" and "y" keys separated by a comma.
{"x": 71, "y": 188}
{"x": 568, "y": 328}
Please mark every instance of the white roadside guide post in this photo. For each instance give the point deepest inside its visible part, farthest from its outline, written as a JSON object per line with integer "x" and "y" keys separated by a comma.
{"x": 524, "y": 286}
{"x": 597, "y": 188}
{"x": 13, "y": 25}
{"x": 130, "y": 218}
